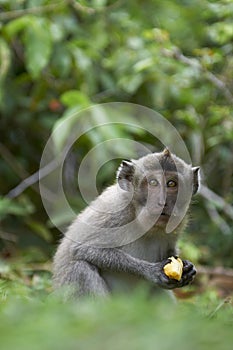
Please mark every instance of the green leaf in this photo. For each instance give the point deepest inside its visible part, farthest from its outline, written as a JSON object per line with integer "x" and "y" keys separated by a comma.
{"x": 76, "y": 101}
{"x": 38, "y": 46}
{"x": 130, "y": 83}
{"x": 9, "y": 206}
{"x": 62, "y": 128}
{"x": 4, "y": 58}
{"x": 221, "y": 32}
{"x": 40, "y": 230}
{"x": 61, "y": 62}
{"x": 37, "y": 40}
{"x": 17, "y": 25}
{"x": 81, "y": 59}
{"x": 73, "y": 98}
{"x": 143, "y": 64}
{"x": 5, "y": 64}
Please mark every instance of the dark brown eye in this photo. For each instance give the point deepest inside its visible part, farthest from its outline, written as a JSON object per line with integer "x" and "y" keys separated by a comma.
{"x": 153, "y": 182}
{"x": 171, "y": 183}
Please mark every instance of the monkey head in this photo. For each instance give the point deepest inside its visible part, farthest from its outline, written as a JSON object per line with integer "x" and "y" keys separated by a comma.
{"x": 160, "y": 183}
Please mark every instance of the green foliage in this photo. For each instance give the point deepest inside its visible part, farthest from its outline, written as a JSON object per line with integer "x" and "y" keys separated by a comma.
{"x": 32, "y": 317}
{"x": 118, "y": 323}
{"x": 8, "y": 206}
{"x": 37, "y": 41}
{"x": 59, "y": 57}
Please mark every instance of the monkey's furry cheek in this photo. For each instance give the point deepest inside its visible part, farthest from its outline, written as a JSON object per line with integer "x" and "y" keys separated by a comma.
{"x": 174, "y": 269}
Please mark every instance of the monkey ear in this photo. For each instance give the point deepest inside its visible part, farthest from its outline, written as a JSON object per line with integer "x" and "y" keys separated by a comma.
{"x": 196, "y": 179}
{"x": 166, "y": 152}
{"x": 125, "y": 175}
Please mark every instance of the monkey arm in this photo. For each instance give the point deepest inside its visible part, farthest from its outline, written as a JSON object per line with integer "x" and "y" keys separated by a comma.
{"x": 117, "y": 260}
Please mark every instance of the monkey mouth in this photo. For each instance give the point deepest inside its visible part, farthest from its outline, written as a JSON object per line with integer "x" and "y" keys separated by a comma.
{"x": 164, "y": 216}
{"x": 163, "y": 219}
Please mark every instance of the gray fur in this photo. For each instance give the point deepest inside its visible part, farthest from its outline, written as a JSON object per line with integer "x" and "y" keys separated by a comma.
{"x": 87, "y": 267}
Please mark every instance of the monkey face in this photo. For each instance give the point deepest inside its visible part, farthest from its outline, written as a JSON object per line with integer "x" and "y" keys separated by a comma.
{"x": 157, "y": 192}
{"x": 162, "y": 185}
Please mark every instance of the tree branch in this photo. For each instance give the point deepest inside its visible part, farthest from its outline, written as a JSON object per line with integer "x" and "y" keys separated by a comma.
{"x": 31, "y": 180}
{"x": 227, "y": 300}
{"x": 215, "y": 271}
{"x": 8, "y": 15}
{"x": 218, "y": 83}
{"x": 7, "y": 236}
{"x": 217, "y": 219}
{"x": 217, "y": 200}
{"x": 12, "y": 161}
{"x": 91, "y": 10}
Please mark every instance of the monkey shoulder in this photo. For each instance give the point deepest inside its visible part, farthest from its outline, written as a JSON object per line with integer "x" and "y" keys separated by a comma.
{"x": 111, "y": 209}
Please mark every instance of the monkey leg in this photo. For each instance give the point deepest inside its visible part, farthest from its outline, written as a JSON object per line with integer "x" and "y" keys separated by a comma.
{"x": 82, "y": 279}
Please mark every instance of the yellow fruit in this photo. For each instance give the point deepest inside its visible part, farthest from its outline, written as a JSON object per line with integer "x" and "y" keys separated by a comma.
{"x": 174, "y": 269}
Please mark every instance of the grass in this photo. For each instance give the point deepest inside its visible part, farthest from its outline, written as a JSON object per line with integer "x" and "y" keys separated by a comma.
{"x": 31, "y": 318}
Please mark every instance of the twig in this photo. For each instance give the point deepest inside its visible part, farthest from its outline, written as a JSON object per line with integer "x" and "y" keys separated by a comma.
{"x": 217, "y": 219}
{"x": 8, "y": 15}
{"x": 217, "y": 200}
{"x": 102, "y": 95}
{"x": 32, "y": 10}
{"x": 12, "y": 161}
{"x": 29, "y": 181}
{"x": 21, "y": 173}
{"x": 221, "y": 304}
{"x": 228, "y": 174}
{"x": 78, "y": 7}
{"x": 218, "y": 83}
{"x": 7, "y": 236}
{"x": 90, "y": 10}
{"x": 215, "y": 271}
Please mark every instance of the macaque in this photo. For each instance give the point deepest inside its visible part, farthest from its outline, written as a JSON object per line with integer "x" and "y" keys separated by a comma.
{"x": 122, "y": 237}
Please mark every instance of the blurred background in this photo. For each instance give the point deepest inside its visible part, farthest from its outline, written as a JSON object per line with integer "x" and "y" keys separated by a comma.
{"x": 59, "y": 57}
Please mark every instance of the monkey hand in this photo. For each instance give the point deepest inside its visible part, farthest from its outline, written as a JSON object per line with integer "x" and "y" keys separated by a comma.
{"x": 187, "y": 276}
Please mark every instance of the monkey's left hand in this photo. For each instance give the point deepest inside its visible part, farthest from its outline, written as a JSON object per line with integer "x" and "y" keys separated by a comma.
{"x": 189, "y": 272}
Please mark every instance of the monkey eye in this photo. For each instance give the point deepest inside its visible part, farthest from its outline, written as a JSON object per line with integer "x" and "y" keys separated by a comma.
{"x": 153, "y": 182}
{"x": 171, "y": 183}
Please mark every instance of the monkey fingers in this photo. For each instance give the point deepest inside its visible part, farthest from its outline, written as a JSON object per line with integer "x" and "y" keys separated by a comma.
{"x": 187, "y": 266}
{"x": 163, "y": 280}
{"x": 167, "y": 283}
{"x": 188, "y": 275}
{"x": 189, "y": 272}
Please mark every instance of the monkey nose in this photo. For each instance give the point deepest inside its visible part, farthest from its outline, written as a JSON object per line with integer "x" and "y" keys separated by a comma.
{"x": 162, "y": 204}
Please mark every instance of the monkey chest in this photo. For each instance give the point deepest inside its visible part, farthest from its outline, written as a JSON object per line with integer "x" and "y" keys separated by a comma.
{"x": 122, "y": 282}
{"x": 152, "y": 249}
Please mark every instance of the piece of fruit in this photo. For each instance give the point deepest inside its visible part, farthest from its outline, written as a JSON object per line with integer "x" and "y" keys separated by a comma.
{"x": 174, "y": 269}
